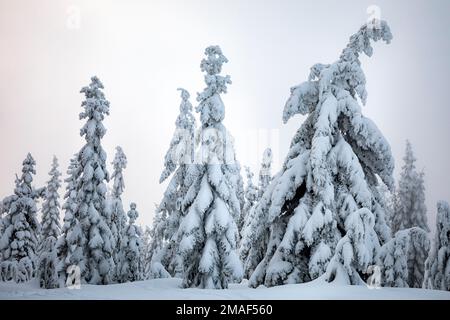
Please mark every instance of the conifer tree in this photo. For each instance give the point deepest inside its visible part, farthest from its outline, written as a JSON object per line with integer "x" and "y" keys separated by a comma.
{"x": 322, "y": 213}
{"x": 115, "y": 209}
{"x": 410, "y": 210}
{"x": 208, "y": 233}
{"x": 265, "y": 173}
{"x": 146, "y": 253}
{"x": 91, "y": 189}
{"x": 179, "y": 157}
{"x": 402, "y": 259}
{"x": 70, "y": 245}
{"x": 20, "y": 237}
{"x": 51, "y": 229}
{"x": 131, "y": 269}
{"x": 437, "y": 265}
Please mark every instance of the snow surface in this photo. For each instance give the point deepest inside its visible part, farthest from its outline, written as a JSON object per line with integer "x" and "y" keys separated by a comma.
{"x": 162, "y": 289}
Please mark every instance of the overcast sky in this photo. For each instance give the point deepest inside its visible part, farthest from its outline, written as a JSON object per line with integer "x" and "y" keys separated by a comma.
{"x": 144, "y": 50}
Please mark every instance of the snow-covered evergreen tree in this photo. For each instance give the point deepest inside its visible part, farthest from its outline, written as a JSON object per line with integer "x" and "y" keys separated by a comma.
{"x": 91, "y": 189}
{"x": 51, "y": 229}
{"x": 402, "y": 259}
{"x": 131, "y": 269}
{"x": 410, "y": 210}
{"x": 265, "y": 173}
{"x": 70, "y": 245}
{"x": 251, "y": 197}
{"x": 116, "y": 213}
{"x": 159, "y": 245}
{"x": 146, "y": 253}
{"x": 20, "y": 238}
{"x": 208, "y": 233}
{"x": 437, "y": 265}
{"x": 322, "y": 213}
{"x": 169, "y": 212}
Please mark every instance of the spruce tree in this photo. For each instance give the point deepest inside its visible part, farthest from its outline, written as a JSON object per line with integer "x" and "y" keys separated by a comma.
{"x": 208, "y": 233}
{"x": 322, "y": 213}
{"x": 51, "y": 229}
{"x": 251, "y": 196}
{"x": 402, "y": 259}
{"x": 146, "y": 253}
{"x": 131, "y": 269}
{"x": 20, "y": 238}
{"x": 265, "y": 173}
{"x": 91, "y": 189}
{"x": 437, "y": 265}
{"x": 179, "y": 157}
{"x": 70, "y": 245}
{"x": 116, "y": 213}
{"x": 410, "y": 210}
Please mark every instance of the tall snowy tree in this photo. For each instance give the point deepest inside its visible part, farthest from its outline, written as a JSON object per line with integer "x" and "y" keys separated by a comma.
{"x": 410, "y": 210}
{"x": 91, "y": 189}
{"x": 208, "y": 233}
{"x": 146, "y": 253}
{"x": 437, "y": 266}
{"x": 169, "y": 212}
{"x": 20, "y": 238}
{"x": 70, "y": 245}
{"x": 51, "y": 229}
{"x": 115, "y": 210}
{"x": 131, "y": 269}
{"x": 322, "y": 213}
{"x": 402, "y": 259}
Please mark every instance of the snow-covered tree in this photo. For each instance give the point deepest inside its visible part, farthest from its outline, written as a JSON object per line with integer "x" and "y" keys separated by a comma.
{"x": 51, "y": 229}
{"x": 251, "y": 197}
{"x": 70, "y": 245}
{"x": 169, "y": 212}
{"x": 20, "y": 238}
{"x": 437, "y": 266}
{"x": 402, "y": 259}
{"x": 91, "y": 189}
{"x": 208, "y": 233}
{"x": 131, "y": 269}
{"x": 158, "y": 247}
{"x": 115, "y": 210}
{"x": 322, "y": 213}
{"x": 265, "y": 173}
{"x": 410, "y": 210}
{"x": 146, "y": 253}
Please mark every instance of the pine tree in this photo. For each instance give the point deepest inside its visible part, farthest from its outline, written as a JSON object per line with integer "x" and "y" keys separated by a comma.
{"x": 402, "y": 259}
{"x": 208, "y": 233}
{"x": 251, "y": 255}
{"x": 410, "y": 210}
{"x": 91, "y": 189}
{"x": 19, "y": 241}
{"x": 115, "y": 209}
{"x": 70, "y": 245}
{"x": 131, "y": 269}
{"x": 437, "y": 266}
{"x": 251, "y": 196}
{"x": 51, "y": 229}
{"x": 322, "y": 213}
{"x": 169, "y": 212}
{"x": 146, "y": 253}
{"x": 159, "y": 245}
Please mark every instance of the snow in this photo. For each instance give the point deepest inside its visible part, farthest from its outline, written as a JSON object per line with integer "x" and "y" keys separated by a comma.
{"x": 169, "y": 289}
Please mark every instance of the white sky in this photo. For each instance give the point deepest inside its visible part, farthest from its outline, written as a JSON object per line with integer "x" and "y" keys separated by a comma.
{"x": 144, "y": 50}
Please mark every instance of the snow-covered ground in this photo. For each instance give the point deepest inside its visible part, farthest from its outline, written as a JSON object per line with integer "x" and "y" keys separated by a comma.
{"x": 170, "y": 289}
